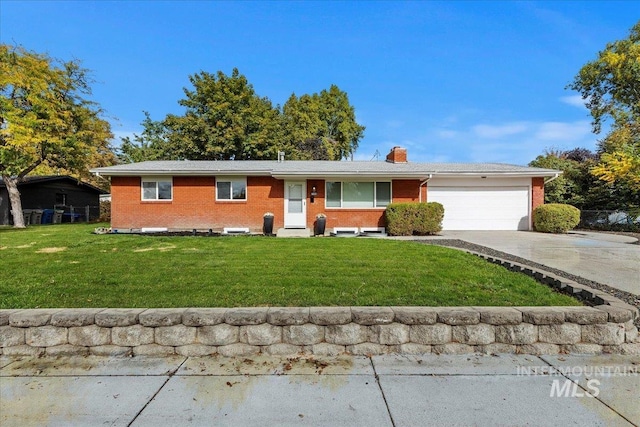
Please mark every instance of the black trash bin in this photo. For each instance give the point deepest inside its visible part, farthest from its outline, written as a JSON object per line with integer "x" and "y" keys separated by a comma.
{"x": 267, "y": 224}
{"x": 320, "y": 225}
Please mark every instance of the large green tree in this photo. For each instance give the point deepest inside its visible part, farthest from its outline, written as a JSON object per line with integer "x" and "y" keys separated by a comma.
{"x": 573, "y": 185}
{"x": 610, "y": 86}
{"x": 46, "y": 120}
{"x": 577, "y": 186}
{"x": 321, "y": 126}
{"x": 150, "y": 144}
{"x": 225, "y": 119}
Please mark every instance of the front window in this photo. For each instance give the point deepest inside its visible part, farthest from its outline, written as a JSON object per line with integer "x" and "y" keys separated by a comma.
{"x": 157, "y": 189}
{"x": 334, "y": 194}
{"x": 231, "y": 189}
{"x": 355, "y": 194}
{"x": 383, "y": 194}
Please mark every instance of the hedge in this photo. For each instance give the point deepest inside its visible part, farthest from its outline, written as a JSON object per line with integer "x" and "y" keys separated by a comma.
{"x": 408, "y": 219}
{"x": 555, "y": 218}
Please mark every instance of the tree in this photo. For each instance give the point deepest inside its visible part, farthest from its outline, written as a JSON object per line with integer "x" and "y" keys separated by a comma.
{"x": 151, "y": 144}
{"x": 339, "y": 122}
{"x": 303, "y": 129}
{"x": 620, "y": 156}
{"x": 572, "y": 186}
{"x": 610, "y": 85}
{"x": 578, "y": 186}
{"x": 45, "y": 119}
{"x": 225, "y": 119}
{"x": 322, "y": 126}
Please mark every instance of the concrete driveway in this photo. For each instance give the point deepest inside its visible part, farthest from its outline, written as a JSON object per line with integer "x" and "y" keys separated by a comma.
{"x": 604, "y": 258}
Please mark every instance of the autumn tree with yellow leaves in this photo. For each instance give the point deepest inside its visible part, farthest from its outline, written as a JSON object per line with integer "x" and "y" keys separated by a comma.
{"x": 610, "y": 86}
{"x": 46, "y": 120}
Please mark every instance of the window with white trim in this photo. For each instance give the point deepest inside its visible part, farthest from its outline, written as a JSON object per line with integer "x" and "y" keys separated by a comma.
{"x": 157, "y": 188}
{"x": 358, "y": 194}
{"x": 231, "y": 188}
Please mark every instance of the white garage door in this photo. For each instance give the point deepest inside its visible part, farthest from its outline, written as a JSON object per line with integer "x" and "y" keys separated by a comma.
{"x": 482, "y": 208}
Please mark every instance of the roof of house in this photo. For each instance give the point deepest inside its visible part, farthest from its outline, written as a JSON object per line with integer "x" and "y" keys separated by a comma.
{"x": 319, "y": 169}
{"x": 36, "y": 179}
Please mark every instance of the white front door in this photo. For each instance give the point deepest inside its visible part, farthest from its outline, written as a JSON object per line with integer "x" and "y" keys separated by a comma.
{"x": 295, "y": 204}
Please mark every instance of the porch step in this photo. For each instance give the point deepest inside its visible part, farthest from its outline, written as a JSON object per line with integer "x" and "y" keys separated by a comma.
{"x": 293, "y": 232}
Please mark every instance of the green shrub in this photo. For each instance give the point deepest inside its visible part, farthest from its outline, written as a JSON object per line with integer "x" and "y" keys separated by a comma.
{"x": 555, "y": 218}
{"x": 429, "y": 218}
{"x": 399, "y": 218}
{"x": 408, "y": 219}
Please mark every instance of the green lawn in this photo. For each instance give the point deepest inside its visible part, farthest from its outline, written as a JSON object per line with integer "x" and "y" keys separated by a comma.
{"x": 68, "y": 266}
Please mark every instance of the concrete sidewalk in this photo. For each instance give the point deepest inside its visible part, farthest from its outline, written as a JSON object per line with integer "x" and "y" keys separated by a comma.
{"x": 387, "y": 390}
{"x": 604, "y": 258}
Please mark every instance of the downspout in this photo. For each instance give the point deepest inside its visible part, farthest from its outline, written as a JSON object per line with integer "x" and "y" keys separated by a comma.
{"x": 422, "y": 185}
{"x": 551, "y": 179}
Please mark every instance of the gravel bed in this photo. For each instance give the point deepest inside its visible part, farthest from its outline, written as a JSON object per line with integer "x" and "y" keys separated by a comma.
{"x": 627, "y": 297}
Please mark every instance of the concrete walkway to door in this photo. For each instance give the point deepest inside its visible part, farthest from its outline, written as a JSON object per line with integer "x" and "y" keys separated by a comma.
{"x": 604, "y": 258}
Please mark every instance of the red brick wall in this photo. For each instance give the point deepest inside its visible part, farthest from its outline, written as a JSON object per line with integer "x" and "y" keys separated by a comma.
{"x": 401, "y": 191}
{"x": 406, "y": 190}
{"x": 537, "y": 194}
{"x": 194, "y": 205}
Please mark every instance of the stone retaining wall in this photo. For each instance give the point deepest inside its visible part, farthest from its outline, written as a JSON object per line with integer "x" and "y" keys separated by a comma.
{"x": 319, "y": 331}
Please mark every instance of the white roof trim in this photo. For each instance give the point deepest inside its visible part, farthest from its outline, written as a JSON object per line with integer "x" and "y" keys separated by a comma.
{"x": 169, "y": 172}
{"x": 510, "y": 174}
{"x": 352, "y": 174}
{"x": 321, "y": 170}
{"x": 320, "y": 175}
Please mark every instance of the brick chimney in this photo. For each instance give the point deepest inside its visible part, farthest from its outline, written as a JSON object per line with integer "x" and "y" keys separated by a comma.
{"x": 397, "y": 155}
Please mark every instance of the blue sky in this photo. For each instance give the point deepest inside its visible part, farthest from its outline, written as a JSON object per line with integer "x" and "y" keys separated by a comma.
{"x": 450, "y": 81}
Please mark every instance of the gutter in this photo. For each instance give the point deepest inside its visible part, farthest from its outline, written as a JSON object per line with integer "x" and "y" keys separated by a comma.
{"x": 169, "y": 172}
{"x": 552, "y": 178}
{"x": 494, "y": 174}
{"x": 97, "y": 174}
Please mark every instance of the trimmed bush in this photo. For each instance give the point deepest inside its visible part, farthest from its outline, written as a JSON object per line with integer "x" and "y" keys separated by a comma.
{"x": 400, "y": 219}
{"x": 555, "y": 218}
{"x": 429, "y": 218}
{"x": 408, "y": 219}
